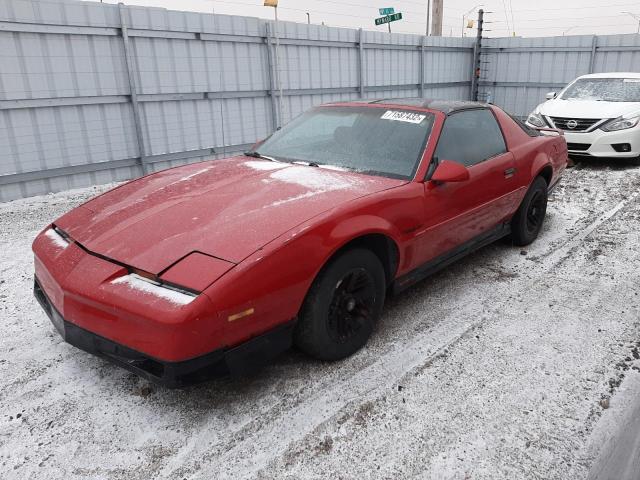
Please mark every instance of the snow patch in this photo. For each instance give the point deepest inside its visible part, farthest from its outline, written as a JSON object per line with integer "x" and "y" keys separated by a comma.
{"x": 195, "y": 174}
{"x": 314, "y": 178}
{"x": 265, "y": 165}
{"x": 293, "y": 199}
{"x": 57, "y": 239}
{"x": 334, "y": 167}
{"x": 136, "y": 282}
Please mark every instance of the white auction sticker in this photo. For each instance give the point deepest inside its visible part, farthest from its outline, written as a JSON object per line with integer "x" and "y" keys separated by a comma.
{"x": 403, "y": 116}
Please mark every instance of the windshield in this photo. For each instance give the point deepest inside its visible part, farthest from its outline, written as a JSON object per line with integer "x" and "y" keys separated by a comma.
{"x": 380, "y": 141}
{"x": 604, "y": 89}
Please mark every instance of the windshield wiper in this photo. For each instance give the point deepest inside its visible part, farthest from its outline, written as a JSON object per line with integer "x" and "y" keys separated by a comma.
{"x": 259, "y": 155}
{"x": 304, "y": 162}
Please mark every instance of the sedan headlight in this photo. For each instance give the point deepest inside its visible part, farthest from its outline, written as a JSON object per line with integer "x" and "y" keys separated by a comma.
{"x": 536, "y": 120}
{"x": 620, "y": 123}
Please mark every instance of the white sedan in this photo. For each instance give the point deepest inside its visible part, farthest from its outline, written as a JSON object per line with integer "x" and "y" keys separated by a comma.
{"x": 599, "y": 114}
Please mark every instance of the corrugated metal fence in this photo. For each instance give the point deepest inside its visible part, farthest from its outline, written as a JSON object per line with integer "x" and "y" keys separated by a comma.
{"x": 518, "y": 72}
{"x": 92, "y": 93}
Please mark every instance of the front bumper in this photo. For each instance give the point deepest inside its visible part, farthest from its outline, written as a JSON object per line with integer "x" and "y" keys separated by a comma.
{"x": 88, "y": 292}
{"x": 235, "y": 361}
{"x": 599, "y": 143}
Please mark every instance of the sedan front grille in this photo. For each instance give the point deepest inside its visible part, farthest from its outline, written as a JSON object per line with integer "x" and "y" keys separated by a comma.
{"x": 574, "y": 124}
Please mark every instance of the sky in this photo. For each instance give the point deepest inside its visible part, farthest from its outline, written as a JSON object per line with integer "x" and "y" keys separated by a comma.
{"x": 506, "y": 18}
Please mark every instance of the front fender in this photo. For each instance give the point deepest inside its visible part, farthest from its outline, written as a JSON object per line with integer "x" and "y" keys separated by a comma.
{"x": 273, "y": 282}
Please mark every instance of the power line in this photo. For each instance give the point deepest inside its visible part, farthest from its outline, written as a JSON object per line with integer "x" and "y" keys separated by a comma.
{"x": 513, "y": 20}
{"x": 539, "y": 19}
{"x": 559, "y": 27}
{"x": 300, "y": 10}
{"x": 325, "y": 12}
{"x": 506, "y": 16}
{"x": 408, "y": 25}
{"x": 581, "y": 7}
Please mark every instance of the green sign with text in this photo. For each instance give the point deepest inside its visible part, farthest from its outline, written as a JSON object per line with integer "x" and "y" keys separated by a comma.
{"x": 388, "y": 18}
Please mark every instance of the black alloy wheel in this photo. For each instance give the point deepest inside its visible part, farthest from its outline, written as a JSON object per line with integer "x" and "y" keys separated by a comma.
{"x": 342, "y": 306}
{"x": 352, "y": 304}
{"x": 528, "y": 220}
{"x": 536, "y": 212}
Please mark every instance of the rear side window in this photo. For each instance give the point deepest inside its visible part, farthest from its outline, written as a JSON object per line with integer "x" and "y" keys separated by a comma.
{"x": 470, "y": 137}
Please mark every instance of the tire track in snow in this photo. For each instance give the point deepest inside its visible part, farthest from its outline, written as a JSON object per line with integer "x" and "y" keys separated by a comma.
{"x": 270, "y": 437}
{"x": 559, "y": 255}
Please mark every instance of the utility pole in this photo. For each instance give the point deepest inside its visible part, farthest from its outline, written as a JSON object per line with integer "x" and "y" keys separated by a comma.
{"x": 436, "y": 22}
{"x": 428, "y": 16}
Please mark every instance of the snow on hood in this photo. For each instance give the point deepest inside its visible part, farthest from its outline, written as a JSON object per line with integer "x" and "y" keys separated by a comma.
{"x": 154, "y": 291}
{"x": 56, "y": 239}
{"x": 587, "y": 108}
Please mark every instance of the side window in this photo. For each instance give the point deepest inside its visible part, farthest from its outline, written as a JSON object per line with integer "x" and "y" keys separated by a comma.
{"x": 470, "y": 137}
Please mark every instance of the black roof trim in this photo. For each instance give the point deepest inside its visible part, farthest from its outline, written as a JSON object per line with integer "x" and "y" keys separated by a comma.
{"x": 445, "y": 106}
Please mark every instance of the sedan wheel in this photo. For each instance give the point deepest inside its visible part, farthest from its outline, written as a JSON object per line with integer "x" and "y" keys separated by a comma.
{"x": 342, "y": 306}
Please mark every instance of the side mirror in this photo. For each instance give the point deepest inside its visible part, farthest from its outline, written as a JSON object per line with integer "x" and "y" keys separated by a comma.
{"x": 450, "y": 171}
{"x": 551, "y": 95}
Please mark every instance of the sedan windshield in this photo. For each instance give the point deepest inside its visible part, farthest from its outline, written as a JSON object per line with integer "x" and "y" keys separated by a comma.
{"x": 604, "y": 89}
{"x": 380, "y": 141}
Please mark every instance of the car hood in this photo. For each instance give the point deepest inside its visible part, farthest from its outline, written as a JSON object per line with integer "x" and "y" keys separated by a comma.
{"x": 586, "y": 108}
{"x": 224, "y": 208}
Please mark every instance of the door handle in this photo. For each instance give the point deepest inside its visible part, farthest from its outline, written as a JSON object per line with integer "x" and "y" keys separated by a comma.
{"x": 509, "y": 172}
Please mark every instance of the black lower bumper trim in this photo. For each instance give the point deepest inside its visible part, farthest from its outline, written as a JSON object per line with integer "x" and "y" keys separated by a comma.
{"x": 239, "y": 360}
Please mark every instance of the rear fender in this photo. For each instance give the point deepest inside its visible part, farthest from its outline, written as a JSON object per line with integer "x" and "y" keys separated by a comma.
{"x": 541, "y": 165}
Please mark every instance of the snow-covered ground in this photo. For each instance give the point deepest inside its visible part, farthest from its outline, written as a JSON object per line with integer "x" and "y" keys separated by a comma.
{"x": 509, "y": 364}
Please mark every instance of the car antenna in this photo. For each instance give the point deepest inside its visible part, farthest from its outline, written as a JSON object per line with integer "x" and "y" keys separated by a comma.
{"x": 224, "y": 143}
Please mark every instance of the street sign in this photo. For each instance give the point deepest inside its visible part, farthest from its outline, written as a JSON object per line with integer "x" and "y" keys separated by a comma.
{"x": 388, "y": 18}
{"x": 386, "y": 11}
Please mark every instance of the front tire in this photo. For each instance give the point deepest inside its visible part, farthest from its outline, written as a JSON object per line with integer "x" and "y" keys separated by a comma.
{"x": 528, "y": 220}
{"x": 342, "y": 306}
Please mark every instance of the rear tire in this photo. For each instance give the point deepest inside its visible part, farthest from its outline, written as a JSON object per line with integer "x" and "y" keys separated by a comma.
{"x": 342, "y": 306}
{"x": 635, "y": 162}
{"x": 528, "y": 220}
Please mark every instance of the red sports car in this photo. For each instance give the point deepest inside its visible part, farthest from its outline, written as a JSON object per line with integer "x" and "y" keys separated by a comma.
{"x": 217, "y": 266}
